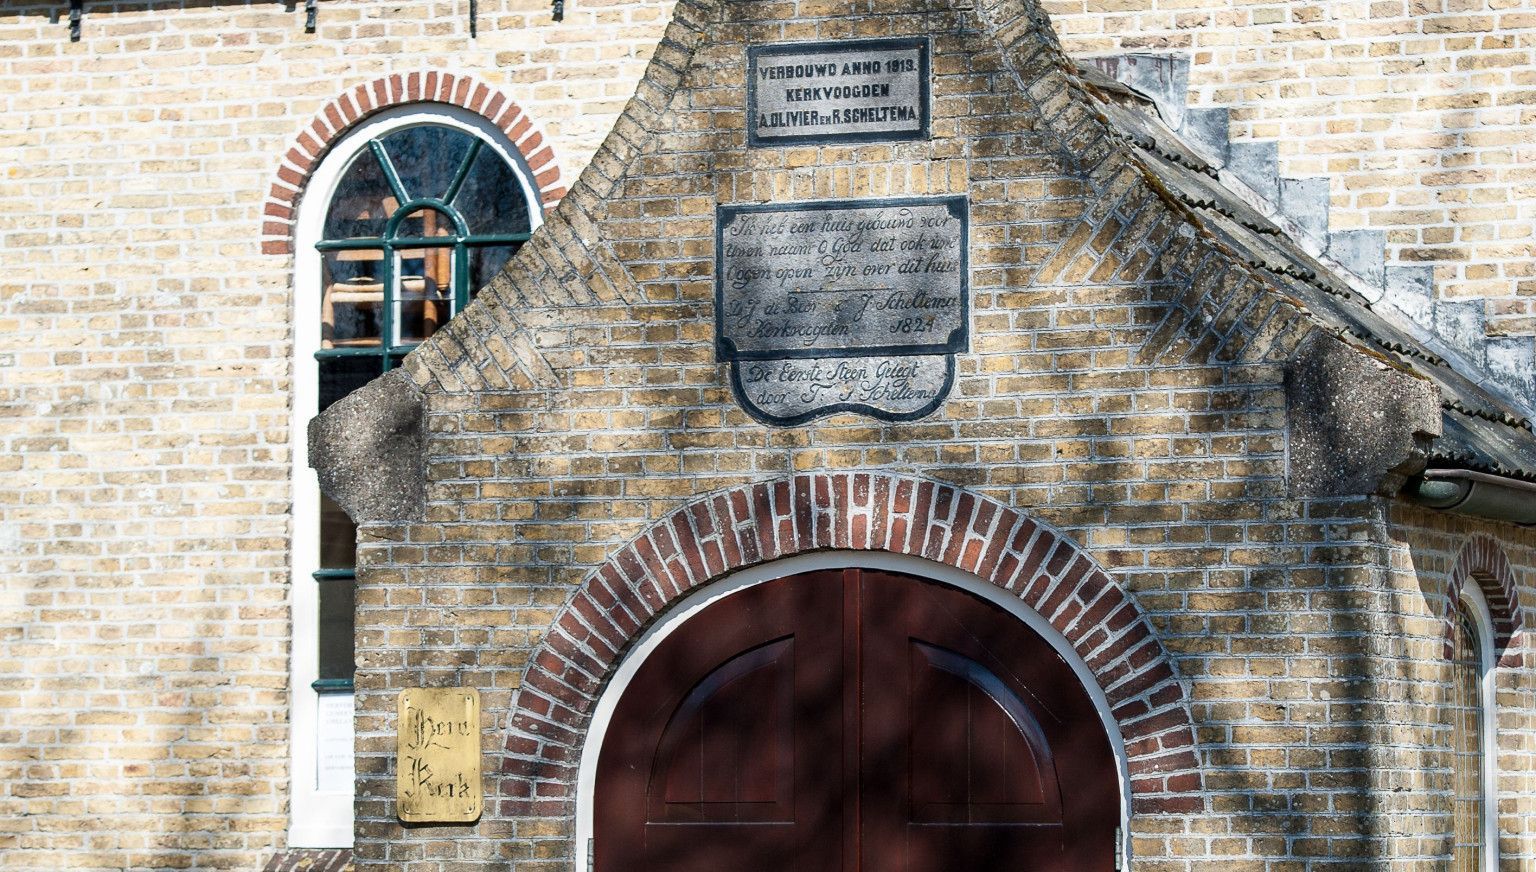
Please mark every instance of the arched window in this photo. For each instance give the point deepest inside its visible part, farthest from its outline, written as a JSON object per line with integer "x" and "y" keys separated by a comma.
{"x": 1474, "y": 804}
{"x": 402, "y": 223}
{"x": 421, "y": 219}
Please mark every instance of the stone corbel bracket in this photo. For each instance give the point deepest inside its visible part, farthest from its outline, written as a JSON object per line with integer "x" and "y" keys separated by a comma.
{"x": 1358, "y": 424}
{"x": 368, "y": 450}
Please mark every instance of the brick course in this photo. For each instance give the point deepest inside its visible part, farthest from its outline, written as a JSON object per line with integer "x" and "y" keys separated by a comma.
{"x": 145, "y": 348}
{"x": 1124, "y": 386}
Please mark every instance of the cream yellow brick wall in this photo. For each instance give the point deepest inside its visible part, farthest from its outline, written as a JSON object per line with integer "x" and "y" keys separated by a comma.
{"x": 1421, "y": 113}
{"x": 144, "y": 389}
{"x": 145, "y": 340}
{"x": 1429, "y": 553}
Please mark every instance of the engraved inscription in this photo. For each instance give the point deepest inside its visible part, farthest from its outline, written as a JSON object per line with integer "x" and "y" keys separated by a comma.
{"x": 895, "y": 387}
{"x": 846, "y": 305}
{"x": 838, "y": 92}
{"x": 842, "y": 278}
{"x": 437, "y": 776}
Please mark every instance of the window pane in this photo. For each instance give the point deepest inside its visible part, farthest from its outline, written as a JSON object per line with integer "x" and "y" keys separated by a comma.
{"x": 340, "y": 376}
{"x": 363, "y": 201}
{"x": 336, "y": 628}
{"x": 423, "y": 292}
{"x": 1467, "y": 738}
{"x": 338, "y": 537}
{"x": 485, "y": 262}
{"x": 425, "y": 224}
{"x": 426, "y": 158}
{"x": 491, "y": 200}
{"x": 352, "y": 302}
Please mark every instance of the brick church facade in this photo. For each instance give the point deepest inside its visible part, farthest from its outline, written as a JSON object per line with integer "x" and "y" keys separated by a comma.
{"x": 1231, "y": 428}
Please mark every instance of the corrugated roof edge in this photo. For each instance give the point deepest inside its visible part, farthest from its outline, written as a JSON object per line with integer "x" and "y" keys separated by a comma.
{"x": 1492, "y": 437}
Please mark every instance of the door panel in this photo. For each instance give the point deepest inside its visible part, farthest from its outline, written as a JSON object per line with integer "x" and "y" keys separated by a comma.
{"x": 978, "y": 754}
{"x": 728, "y": 752}
{"x": 981, "y": 749}
{"x": 854, "y": 721}
{"x": 715, "y": 758}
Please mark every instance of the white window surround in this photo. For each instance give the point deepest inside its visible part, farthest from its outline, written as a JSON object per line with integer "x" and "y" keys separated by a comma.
{"x": 647, "y": 643}
{"x": 323, "y": 819}
{"x": 1477, "y": 606}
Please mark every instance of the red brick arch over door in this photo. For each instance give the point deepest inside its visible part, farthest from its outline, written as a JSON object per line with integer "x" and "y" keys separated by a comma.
{"x": 400, "y": 89}
{"x": 753, "y": 524}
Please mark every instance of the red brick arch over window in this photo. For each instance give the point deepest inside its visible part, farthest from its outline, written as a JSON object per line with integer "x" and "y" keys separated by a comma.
{"x": 726, "y": 531}
{"x": 1483, "y": 563}
{"x": 427, "y": 86}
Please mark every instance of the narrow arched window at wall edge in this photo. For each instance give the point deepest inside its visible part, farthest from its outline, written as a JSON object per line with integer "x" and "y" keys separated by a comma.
{"x": 1473, "y": 713}
{"x": 400, "y": 224}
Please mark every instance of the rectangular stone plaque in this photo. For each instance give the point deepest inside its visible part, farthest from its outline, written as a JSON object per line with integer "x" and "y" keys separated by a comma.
{"x": 437, "y": 762}
{"x": 854, "y": 91}
{"x": 841, "y": 278}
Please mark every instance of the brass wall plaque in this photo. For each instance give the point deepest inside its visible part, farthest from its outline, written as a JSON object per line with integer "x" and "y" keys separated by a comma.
{"x": 437, "y": 759}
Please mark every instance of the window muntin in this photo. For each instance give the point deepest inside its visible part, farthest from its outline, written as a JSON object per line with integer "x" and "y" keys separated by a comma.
{"x": 421, "y": 218}
{"x": 426, "y": 160}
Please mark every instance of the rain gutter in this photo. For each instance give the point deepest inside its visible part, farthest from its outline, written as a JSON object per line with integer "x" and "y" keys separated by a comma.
{"x": 1465, "y": 492}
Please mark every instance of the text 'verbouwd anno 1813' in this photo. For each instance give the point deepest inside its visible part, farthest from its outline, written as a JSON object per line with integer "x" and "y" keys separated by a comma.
{"x": 838, "y": 92}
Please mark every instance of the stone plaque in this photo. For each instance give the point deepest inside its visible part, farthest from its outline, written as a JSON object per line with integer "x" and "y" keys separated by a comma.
{"x": 437, "y": 762}
{"x": 842, "y": 305}
{"x": 853, "y": 91}
{"x": 891, "y": 388}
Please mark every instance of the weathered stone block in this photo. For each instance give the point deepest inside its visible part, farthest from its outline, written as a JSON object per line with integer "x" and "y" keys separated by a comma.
{"x": 368, "y": 450}
{"x": 1356, "y": 423}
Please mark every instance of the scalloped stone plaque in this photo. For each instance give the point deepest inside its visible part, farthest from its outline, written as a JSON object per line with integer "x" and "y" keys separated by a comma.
{"x": 842, "y": 305}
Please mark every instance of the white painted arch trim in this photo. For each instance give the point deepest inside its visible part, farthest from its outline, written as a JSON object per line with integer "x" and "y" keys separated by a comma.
{"x": 1476, "y": 603}
{"x": 323, "y": 819}
{"x": 646, "y": 645}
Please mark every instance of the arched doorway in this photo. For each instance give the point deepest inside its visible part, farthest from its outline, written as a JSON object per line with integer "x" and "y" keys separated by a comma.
{"x": 854, "y": 719}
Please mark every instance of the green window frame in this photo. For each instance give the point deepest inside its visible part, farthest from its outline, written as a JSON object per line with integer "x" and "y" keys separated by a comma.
{"x": 449, "y": 242}
{"x": 421, "y": 218}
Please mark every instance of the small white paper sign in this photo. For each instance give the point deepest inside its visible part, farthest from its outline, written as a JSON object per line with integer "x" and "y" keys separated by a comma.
{"x": 333, "y": 742}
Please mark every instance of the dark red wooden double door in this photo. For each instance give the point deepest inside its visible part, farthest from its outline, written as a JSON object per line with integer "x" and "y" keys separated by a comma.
{"x": 854, "y": 721}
